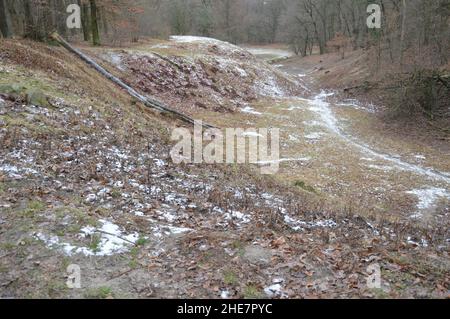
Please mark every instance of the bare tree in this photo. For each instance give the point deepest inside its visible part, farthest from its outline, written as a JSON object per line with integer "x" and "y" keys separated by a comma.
{"x": 4, "y": 29}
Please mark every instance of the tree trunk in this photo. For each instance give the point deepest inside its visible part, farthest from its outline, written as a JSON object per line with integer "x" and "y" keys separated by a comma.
{"x": 4, "y": 30}
{"x": 85, "y": 22}
{"x": 29, "y": 31}
{"x": 60, "y": 17}
{"x": 94, "y": 23}
{"x": 402, "y": 36}
{"x": 105, "y": 21}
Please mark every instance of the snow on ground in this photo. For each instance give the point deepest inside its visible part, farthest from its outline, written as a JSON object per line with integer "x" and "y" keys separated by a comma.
{"x": 428, "y": 198}
{"x": 269, "y": 87}
{"x": 250, "y": 110}
{"x": 321, "y": 107}
{"x": 205, "y": 41}
{"x": 276, "y": 289}
{"x": 115, "y": 59}
{"x": 111, "y": 240}
{"x": 276, "y": 53}
{"x": 314, "y": 136}
{"x": 356, "y": 105}
{"x": 194, "y": 39}
{"x": 282, "y": 160}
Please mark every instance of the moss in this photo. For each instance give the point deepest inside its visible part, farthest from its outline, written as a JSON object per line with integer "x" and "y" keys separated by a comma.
{"x": 99, "y": 293}
{"x": 32, "y": 209}
{"x": 251, "y": 292}
{"x": 94, "y": 245}
{"x": 56, "y": 288}
{"x": 40, "y": 126}
{"x": 7, "y": 246}
{"x": 36, "y": 97}
{"x": 230, "y": 278}
{"x": 304, "y": 186}
{"x": 141, "y": 241}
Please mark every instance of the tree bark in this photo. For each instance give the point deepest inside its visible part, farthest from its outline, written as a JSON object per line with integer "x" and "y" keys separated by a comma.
{"x": 94, "y": 24}
{"x": 4, "y": 30}
{"x": 402, "y": 36}
{"x": 85, "y": 22}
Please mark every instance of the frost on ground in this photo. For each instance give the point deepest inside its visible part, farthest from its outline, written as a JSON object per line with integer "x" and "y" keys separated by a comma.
{"x": 250, "y": 110}
{"x": 111, "y": 240}
{"x": 322, "y": 108}
{"x": 97, "y": 188}
{"x": 428, "y": 198}
{"x": 271, "y": 52}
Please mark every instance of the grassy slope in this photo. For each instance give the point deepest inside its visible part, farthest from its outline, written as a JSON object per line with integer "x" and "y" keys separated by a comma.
{"x": 92, "y": 123}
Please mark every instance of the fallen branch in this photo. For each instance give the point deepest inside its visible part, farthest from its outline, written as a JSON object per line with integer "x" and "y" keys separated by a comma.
{"x": 149, "y": 102}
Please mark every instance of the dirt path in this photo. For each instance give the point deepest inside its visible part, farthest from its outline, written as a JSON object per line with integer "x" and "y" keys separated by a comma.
{"x": 330, "y": 148}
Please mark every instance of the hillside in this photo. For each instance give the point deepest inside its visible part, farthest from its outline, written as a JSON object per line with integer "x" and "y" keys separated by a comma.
{"x": 86, "y": 178}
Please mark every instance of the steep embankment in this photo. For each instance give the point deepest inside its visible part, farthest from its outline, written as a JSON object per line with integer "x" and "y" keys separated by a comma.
{"x": 86, "y": 179}
{"x": 194, "y": 73}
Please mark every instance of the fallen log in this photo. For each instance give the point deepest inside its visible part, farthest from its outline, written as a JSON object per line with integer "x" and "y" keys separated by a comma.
{"x": 148, "y": 102}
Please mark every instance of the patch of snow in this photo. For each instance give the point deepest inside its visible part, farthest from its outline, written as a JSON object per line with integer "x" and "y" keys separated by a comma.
{"x": 314, "y": 136}
{"x": 299, "y": 225}
{"x": 90, "y": 198}
{"x": 320, "y": 106}
{"x": 428, "y": 198}
{"x": 313, "y": 123}
{"x": 238, "y": 216}
{"x": 115, "y": 59}
{"x": 160, "y": 46}
{"x": 383, "y": 168}
{"x": 194, "y": 39}
{"x": 422, "y": 243}
{"x": 273, "y": 291}
{"x": 367, "y": 159}
{"x": 224, "y": 294}
{"x": 282, "y": 160}
{"x": 269, "y": 87}
{"x": 16, "y": 173}
{"x": 241, "y": 72}
{"x": 293, "y": 138}
{"x": 159, "y": 162}
{"x": 276, "y": 53}
{"x": 119, "y": 184}
{"x": 250, "y": 110}
{"x": 178, "y": 230}
{"x": 276, "y": 289}
{"x": 112, "y": 241}
{"x": 226, "y": 46}
{"x": 168, "y": 216}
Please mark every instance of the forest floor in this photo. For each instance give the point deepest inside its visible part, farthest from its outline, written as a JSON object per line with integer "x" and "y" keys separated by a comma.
{"x": 86, "y": 179}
